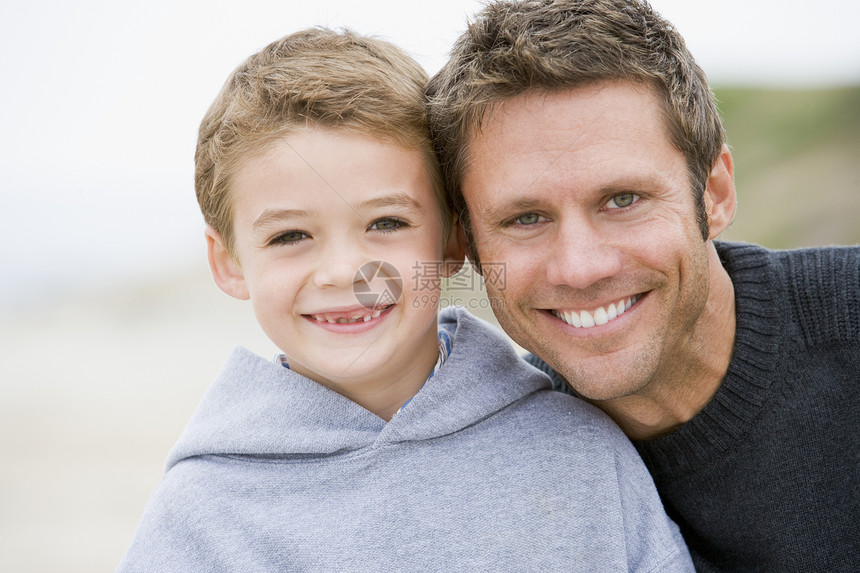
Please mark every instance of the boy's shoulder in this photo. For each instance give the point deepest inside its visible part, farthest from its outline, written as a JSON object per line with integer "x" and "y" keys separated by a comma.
{"x": 484, "y": 357}
{"x": 556, "y": 415}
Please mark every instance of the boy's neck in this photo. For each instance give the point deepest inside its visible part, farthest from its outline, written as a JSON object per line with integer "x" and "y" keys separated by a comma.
{"x": 385, "y": 396}
{"x": 389, "y": 396}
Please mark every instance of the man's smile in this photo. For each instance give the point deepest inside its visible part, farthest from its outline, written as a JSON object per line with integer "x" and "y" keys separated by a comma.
{"x": 598, "y": 316}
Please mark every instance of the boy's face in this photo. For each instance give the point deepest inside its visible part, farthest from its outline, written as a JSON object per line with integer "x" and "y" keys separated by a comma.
{"x": 338, "y": 244}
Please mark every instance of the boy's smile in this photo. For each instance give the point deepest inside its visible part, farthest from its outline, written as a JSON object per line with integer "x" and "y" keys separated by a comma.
{"x": 361, "y": 314}
{"x": 354, "y": 321}
{"x": 311, "y": 212}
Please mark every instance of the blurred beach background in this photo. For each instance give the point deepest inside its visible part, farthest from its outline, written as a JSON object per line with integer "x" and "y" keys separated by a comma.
{"x": 110, "y": 327}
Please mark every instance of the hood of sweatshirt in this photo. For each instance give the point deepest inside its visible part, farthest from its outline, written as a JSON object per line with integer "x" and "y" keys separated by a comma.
{"x": 258, "y": 407}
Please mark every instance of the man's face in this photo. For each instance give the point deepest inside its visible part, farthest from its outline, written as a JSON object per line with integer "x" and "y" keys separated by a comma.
{"x": 582, "y": 196}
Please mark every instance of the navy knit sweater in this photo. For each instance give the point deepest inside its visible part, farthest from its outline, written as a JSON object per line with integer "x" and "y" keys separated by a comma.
{"x": 767, "y": 476}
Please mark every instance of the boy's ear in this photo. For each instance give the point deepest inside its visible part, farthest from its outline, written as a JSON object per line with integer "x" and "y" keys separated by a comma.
{"x": 455, "y": 248}
{"x": 720, "y": 196}
{"x": 225, "y": 269}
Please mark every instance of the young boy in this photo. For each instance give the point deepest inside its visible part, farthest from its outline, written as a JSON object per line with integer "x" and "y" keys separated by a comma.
{"x": 379, "y": 440}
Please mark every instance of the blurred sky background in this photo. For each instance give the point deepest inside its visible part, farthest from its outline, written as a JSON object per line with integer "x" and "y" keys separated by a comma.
{"x": 101, "y": 101}
{"x": 107, "y": 343}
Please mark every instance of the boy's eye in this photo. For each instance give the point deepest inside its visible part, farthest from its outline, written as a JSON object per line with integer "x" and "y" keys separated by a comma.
{"x": 622, "y": 200}
{"x": 387, "y": 224}
{"x": 289, "y": 238}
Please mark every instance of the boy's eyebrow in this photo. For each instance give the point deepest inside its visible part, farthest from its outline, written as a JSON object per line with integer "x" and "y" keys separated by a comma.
{"x": 273, "y": 215}
{"x": 270, "y": 216}
{"x": 392, "y": 200}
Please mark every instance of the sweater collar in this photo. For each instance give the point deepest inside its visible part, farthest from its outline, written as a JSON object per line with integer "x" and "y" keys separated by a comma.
{"x": 258, "y": 407}
{"x": 742, "y": 394}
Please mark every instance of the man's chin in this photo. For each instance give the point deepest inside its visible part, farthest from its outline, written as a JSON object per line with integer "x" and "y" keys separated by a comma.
{"x": 601, "y": 378}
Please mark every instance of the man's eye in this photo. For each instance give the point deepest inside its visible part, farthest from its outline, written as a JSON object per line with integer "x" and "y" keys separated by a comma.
{"x": 622, "y": 200}
{"x": 387, "y": 224}
{"x": 528, "y": 219}
{"x": 289, "y": 238}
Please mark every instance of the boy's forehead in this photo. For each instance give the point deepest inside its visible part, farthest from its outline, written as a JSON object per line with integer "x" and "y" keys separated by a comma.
{"x": 355, "y": 170}
{"x": 297, "y": 139}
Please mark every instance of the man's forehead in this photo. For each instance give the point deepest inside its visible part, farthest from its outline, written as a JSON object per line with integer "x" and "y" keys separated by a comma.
{"x": 525, "y": 117}
{"x": 591, "y": 96}
{"x": 601, "y": 139}
{"x": 535, "y": 119}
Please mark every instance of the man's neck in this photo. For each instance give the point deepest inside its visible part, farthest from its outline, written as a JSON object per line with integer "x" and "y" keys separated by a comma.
{"x": 691, "y": 375}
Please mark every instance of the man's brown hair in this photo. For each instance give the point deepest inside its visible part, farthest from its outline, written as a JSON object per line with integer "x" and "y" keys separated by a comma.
{"x": 513, "y": 47}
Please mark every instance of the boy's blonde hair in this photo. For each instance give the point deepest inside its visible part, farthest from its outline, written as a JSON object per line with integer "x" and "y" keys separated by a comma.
{"x": 313, "y": 78}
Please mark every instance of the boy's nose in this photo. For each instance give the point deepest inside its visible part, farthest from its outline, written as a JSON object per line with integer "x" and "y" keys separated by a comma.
{"x": 338, "y": 265}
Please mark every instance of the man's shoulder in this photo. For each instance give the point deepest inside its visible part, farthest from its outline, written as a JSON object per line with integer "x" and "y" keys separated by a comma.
{"x": 816, "y": 289}
{"x": 824, "y": 289}
{"x": 743, "y": 255}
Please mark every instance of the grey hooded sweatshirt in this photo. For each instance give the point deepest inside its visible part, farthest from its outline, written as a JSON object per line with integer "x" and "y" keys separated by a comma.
{"x": 485, "y": 469}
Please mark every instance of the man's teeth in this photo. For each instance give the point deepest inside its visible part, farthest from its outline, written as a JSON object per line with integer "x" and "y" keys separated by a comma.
{"x": 345, "y": 320}
{"x": 597, "y": 317}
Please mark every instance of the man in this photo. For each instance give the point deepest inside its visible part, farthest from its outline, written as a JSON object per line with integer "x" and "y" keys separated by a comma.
{"x": 583, "y": 148}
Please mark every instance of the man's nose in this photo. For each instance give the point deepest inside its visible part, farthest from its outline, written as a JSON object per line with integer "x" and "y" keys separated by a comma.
{"x": 581, "y": 255}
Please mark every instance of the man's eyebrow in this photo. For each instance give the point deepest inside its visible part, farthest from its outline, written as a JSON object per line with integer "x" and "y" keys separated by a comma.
{"x": 270, "y": 216}
{"x": 496, "y": 214}
{"x": 392, "y": 200}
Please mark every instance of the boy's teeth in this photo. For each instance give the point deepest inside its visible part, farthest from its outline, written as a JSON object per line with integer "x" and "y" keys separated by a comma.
{"x": 597, "y": 317}
{"x": 346, "y": 320}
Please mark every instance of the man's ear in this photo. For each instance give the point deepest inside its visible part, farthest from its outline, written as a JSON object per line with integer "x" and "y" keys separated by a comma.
{"x": 455, "y": 249}
{"x": 226, "y": 270}
{"x": 720, "y": 196}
